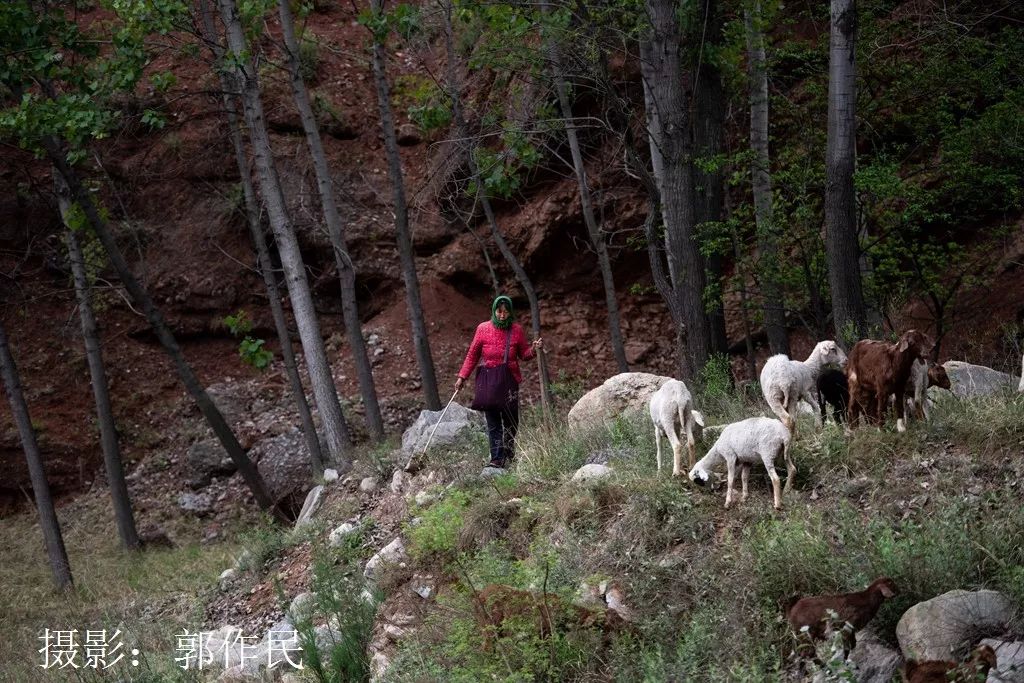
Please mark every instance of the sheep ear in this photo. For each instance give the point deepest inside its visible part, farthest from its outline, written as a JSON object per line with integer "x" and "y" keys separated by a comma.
{"x": 698, "y": 417}
{"x": 904, "y": 344}
{"x": 887, "y": 591}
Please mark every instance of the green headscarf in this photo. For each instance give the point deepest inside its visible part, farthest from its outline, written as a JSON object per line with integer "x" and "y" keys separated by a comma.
{"x": 507, "y": 323}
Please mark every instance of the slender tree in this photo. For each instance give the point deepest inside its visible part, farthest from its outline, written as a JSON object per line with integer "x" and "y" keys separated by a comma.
{"x": 266, "y": 265}
{"x": 841, "y": 244}
{"x": 420, "y": 340}
{"x": 52, "y": 537}
{"x": 322, "y": 380}
{"x": 597, "y": 238}
{"x": 81, "y": 196}
{"x": 668, "y": 128}
{"x": 760, "y": 165}
{"x": 123, "y": 514}
{"x": 335, "y": 228}
{"x": 708, "y": 125}
{"x": 462, "y": 134}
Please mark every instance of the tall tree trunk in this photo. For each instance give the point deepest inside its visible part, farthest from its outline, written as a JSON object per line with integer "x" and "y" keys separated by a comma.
{"x": 709, "y": 142}
{"x": 40, "y": 487}
{"x": 122, "y": 503}
{"x": 342, "y": 260}
{"x": 760, "y": 173}
{"x": 252, "y": 216}
{"x": 420, "y": 340}
{"x": 597, "y": 239}
{"x": 841, "y": 245}
{"x": 669, "y": 136}
{"x": 213, "y": 416}
{"x": 462, "y": 133}
{"x": 322, "y": 380}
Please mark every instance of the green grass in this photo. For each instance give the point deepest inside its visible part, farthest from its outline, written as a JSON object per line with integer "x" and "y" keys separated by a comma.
{"x": 148, "y": 595}
{"x": 867, "y": 504}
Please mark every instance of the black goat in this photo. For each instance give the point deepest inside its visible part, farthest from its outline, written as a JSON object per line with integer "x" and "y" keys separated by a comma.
{"x": 833, "y": 390}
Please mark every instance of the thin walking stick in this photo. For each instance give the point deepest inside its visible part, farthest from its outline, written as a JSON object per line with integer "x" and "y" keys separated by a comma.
{"x": 431, "y": 437}
{"x": 545, "y": 408}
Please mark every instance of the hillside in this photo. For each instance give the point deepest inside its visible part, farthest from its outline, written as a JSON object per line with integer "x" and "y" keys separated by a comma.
{"x": 526, "y": 574}
{"x": 935, "y": 508}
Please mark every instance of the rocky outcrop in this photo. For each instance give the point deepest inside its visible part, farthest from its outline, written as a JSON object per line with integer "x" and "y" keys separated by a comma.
{"x": 626, "y": 394}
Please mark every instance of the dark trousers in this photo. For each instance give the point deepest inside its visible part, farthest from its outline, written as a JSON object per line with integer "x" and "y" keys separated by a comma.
{"x": 502, "y": 426}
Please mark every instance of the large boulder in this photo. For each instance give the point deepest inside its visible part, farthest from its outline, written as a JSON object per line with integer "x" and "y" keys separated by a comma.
{"x": 627, "y": 393}
{"x": 283, "y": 462}
{"x": 458, "y": 418}
{"x": 947, "y": 627}
{"x": 977, "y": 380}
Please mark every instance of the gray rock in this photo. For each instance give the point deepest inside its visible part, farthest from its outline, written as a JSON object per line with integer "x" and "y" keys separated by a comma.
{"x": 337, "y": 537}
{"x": 589, "y": 473}
{"x": 425, "y": 497}
{"x": 205, "y": 459}
{"x": 302, "y": 607}
{"x": 330, "y": 475}
{"x": 198, "y": 503}
{"x": 314, "y": 499}
{"x": 392, "y": 553}
{"x": 368, "y": 485}
{"x": 397, "y": 481}
{"x": 283, "y": 463}
{"x": 626, "y": 394}
{"x": 226, "y": 577}
{"x": 491, "y": 472}
{"x": 977, "y": 380}
{"x": 423, "y": 585}
{"x": 875, "y": 661}
{"x": 1009, "y": 661}
{"x": 947, "y": 627}
{"x": 458, "y": 418}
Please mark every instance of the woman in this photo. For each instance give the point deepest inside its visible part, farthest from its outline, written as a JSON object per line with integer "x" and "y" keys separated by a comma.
{"x": 488, "y": 349}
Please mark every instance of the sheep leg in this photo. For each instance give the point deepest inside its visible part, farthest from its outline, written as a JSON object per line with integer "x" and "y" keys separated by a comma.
{"x": 790, "y": 467}
{"x": 880, "y": 409}
{"x": 776, "y": 486}
{"x": 819, "y": 411}
{"x": 729, "y": 480}
{"x": 744, "y": 475}
{"x": 691, "y": 445}
{"x": 657, "y": 445}
{"x": 677, "y": 457}
{"x": 900, "y": 410}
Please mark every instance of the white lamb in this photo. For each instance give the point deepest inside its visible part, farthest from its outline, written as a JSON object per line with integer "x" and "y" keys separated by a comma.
{"x": 746, "y": 442}
{"x": 785, "y": 382}
{"x": 672, "y": 413}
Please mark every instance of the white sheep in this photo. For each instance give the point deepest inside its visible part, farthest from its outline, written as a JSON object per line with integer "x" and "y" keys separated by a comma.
{"x": 672, "y": 413}
{"x": 785, "y": 382}
{"x": 747, "y": 442}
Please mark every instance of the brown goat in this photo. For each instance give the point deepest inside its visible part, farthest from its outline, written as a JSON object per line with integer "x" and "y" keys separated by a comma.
{"x": 497, "y": 603}
{"x": 875, "y": 370}
{"x": 856, "y": 609}
{"x": 974, "y": 670}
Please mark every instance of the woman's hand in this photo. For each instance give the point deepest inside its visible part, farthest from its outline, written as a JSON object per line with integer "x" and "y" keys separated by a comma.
{"x": 538, "y": 343}
{"x": 458, "y": 384}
